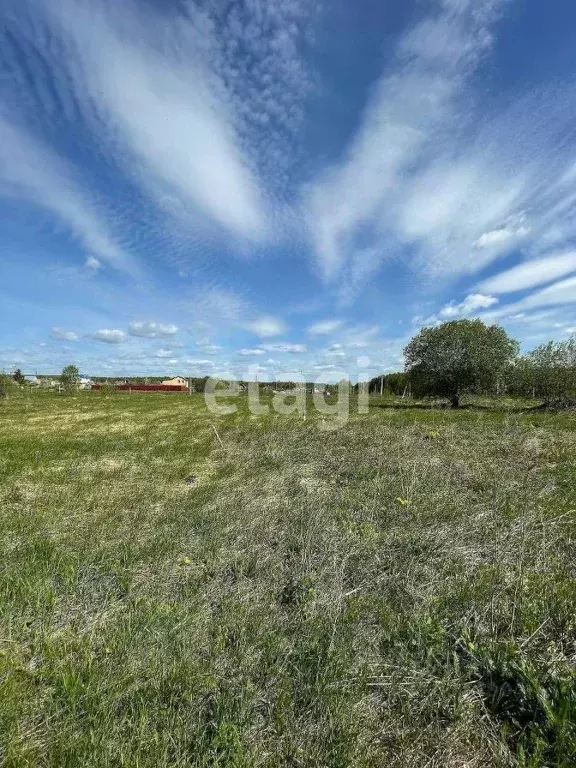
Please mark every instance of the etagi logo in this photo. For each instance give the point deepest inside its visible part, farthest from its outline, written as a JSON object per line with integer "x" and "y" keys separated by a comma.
{"x": 335, "y": 407}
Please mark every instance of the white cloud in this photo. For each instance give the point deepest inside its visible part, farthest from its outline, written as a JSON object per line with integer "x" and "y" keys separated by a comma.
{"x": 164, "y": 353}
{"x": 60, "y": 333}
{"x": 324, "y": 327}
{"x": 195, "y": 361}
{"x": 471, "y": 304}
{"x": 251, "y": 352}
{"x": 562, "y": 292}
{"x": 151, "y": 330}
{"x": 30, "y": 170}
{"x": 208, "y": 348}
{"x": 160, "y": 99}
{"x": 531, "y": 273}
{"x": 292, "y": 349}
{"x": 109, "y": 336}
{"x": 500, "y": 236}
{"x": 409, "y": 106}
{"x": 214, "y": 305}
{"x": 266, "y": 327}
{"x": 432, "y": 180}
{"x": 92, "y": 264}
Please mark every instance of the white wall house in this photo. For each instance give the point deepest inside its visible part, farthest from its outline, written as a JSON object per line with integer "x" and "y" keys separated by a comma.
{"x": 177, "y": 381}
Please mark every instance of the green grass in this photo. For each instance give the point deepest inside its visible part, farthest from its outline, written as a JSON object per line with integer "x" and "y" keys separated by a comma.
{"x": 286, "y": 608}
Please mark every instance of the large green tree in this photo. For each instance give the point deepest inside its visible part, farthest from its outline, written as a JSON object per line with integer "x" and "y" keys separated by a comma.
{"x": 457, "y": 357}
{"x": 70, "y": 377}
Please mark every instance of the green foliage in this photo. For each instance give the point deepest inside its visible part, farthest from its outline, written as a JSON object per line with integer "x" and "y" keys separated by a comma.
{"x": 107, "y": 389}
{"x": 457, "y": 357}
{"x": 552, "y": 368}
{"x": 534, "y": 703}
{"x": 7, "y": 385}
{"x": 70, "y": 377}
{"x": 389, "y": 383}
{"x": 18, "y": 377}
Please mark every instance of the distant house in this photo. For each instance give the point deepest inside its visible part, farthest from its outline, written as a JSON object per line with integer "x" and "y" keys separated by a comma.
{"x": 177, "y": 381}
{"x": 85, "y": 383}
{"x": 32, "y": 381}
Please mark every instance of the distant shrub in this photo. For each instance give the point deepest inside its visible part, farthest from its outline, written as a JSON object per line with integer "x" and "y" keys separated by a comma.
{"x": 7, "y": 385}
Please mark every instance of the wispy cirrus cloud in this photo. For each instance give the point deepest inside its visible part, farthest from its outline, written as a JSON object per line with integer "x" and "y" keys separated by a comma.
{"x": 214, "y": 305}
{"x": 410, "y": 106}
{"x": 560, "y": 293}
{"x": 31, "y": 170}
{"x": 531, "y": 273}
{"x": 431, "y": 180}
{"x": 200, "y": 107}
{"x": 143, "y": 85}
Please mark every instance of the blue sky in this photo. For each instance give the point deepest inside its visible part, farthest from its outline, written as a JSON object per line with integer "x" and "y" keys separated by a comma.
{"x": 263, "y": 188}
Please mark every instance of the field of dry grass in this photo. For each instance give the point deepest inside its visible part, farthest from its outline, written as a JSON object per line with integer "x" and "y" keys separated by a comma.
{"x": 398, "y": 592}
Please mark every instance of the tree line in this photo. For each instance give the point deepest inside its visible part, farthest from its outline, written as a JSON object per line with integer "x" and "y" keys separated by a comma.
{"x": 468, "y": 357}
{"x": 450, "y": 360}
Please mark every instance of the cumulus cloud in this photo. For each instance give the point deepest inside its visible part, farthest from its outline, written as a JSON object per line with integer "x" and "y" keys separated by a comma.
{"x": 151, "y": 330}
{"x": 266, "y": 327}
{"x": 471, "y": 303}
{"x": 92, "y": 264}
{"x": 207, "y": 347}
{"x": 62, "y": 335}
{"x": 109, "y": 336}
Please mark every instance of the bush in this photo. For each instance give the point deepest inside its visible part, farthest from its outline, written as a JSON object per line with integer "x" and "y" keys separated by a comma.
{"x": 7, "y": 385}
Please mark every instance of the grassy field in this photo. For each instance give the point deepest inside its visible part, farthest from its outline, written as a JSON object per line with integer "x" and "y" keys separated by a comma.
{"x": 399, "y": 592}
